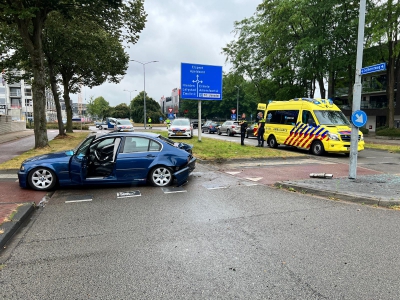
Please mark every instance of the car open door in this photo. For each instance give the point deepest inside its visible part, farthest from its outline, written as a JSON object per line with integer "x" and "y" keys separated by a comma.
{"x": 78, "y": 165}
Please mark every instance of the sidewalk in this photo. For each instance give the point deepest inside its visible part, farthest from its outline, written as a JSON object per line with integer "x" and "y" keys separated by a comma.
{"x": 371, "y": 188}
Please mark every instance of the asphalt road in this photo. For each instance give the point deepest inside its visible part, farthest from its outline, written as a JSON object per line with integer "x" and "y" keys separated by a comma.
{"x": 218, "y": 237}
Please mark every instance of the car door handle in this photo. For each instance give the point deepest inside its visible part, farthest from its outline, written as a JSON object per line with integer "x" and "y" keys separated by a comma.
{"x": 150, "y": 155}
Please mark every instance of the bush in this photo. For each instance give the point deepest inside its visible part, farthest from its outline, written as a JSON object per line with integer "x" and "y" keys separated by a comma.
{"x": 385, "y": 131}
{"x": 364, "y": 130}
{"x": 54, "y": 125}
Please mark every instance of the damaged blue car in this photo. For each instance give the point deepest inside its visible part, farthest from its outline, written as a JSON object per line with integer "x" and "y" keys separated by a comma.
{"x": 115, "y": 158}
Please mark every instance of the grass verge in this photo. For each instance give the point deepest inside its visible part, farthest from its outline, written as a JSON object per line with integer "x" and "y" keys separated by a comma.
{"x": 70, "y": 141}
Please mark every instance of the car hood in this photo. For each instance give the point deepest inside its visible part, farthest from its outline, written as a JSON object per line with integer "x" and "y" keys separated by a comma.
{"x": 341, "y": 129}
{"x": 50, "y": 156}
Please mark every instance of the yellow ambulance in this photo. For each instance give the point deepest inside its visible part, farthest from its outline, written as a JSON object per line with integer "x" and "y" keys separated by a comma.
{"x": 316, "y": 125}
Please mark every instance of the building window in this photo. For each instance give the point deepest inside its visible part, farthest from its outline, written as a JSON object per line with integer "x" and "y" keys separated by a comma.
{"x": 2, "y": 90}
{"x": 2, "y": 100}
{"x": 15, "y": 92}
{"x": 15, "y": 103}
{"x": 28, "y": 92}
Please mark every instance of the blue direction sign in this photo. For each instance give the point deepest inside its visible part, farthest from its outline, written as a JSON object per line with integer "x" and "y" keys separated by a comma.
{"x": 359, "y": 118}
{"x": 374, "y": 68}
{"x": 201, "y": 82}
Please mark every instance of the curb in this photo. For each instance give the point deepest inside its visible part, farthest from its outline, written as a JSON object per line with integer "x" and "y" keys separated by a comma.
{"x": 337, "y": 196}
{"x": 23, "y": 212}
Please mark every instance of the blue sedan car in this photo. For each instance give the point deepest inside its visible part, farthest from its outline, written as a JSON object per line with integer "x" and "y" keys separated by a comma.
{"x": 114, "y": 158}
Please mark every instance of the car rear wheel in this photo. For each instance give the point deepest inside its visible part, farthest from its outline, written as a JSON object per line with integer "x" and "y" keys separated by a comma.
{"x": 42, "y": 179}
{"x": 272, "y": 142}
{"x": 317, "y": 148}
{"x": 228, "y": 132}
{"x": 161, "y": 176}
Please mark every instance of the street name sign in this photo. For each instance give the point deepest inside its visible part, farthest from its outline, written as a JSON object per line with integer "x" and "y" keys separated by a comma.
{"x": 374, "y": 68}
{"x": 201, "y": 82}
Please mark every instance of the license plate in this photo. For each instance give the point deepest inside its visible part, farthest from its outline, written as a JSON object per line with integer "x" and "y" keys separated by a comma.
{"x": 179, "y": 133}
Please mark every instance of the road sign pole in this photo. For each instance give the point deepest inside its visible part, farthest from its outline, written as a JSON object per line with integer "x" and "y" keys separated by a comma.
{"x": 357, "y": 92}
{"x": 199, "y": 121}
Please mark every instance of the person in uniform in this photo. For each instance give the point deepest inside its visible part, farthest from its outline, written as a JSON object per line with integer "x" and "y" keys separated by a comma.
{"x": 243, "y": 127}
{"x": 260, "y": 133}
{"x": 149, "y": 122}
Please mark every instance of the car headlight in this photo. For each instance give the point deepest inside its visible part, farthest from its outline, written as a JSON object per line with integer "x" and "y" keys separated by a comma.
{"x": 333, "y": 136}
{"x": 22, "y": 168}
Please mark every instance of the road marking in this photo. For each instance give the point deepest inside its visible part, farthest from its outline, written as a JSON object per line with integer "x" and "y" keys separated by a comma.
{"x": 217, "y": 188}
{"x": 77, "y": 201}
{"x": 173, "y": 190}
{"x": 79, "y": 198}
{"x": 255, "y": 178}
{"x": 232, "y": 173}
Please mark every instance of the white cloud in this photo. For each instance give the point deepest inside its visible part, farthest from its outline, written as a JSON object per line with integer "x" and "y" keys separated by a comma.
{"x": 176, "y": 31}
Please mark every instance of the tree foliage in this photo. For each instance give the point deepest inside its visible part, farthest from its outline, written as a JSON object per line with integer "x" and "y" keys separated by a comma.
{"x": 98, "y": 108}
{"x": 123, "y": 19}
{"x": 153, "y": 109}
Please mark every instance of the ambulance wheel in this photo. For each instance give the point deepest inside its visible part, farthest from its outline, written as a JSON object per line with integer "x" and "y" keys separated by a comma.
{"x": 272, "y": 142}
{"x": 317, "y": 148}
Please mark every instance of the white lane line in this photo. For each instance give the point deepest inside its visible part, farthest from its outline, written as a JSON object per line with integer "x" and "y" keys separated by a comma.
{"x": 232, "y": 173}
{"x": 77, "y": 201}
{"x": 173, "y": 190}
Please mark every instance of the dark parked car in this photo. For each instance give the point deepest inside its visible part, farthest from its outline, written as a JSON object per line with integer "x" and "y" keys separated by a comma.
{"x": 114, "y": 158}
{"x": 229, "y": 127}
{"x": 251, "y": 130}
{"x": 210, "y": 127}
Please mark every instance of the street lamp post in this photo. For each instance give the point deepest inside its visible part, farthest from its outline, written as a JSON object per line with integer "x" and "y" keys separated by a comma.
{"x": 144, "y": 87}
{"x": 130, "y": 94}
{"x": 237, "y": 104}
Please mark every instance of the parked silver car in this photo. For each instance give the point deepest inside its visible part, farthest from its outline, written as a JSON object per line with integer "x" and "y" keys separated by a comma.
{"x": 230, "y": 128}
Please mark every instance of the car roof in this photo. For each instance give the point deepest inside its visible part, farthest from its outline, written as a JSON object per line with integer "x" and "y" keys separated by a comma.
{"x": 130, "y": 134}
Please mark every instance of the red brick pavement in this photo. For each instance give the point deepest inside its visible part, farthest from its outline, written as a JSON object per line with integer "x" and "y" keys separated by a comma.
{"x": 270, "y": 174}
{"x": 11, "y": 195}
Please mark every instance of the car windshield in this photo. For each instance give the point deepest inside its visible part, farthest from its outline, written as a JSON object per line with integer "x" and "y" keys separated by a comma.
{"x": 82, "y": 147}
{"x": 181, "y": 122}
{"x": 124, "y": 122}
{"x": 331, "y": 117}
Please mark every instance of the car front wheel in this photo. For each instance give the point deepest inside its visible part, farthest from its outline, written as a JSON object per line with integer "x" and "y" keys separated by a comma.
{"x": 42, "y": 179}
{"x": 317, "y": 148}
{"x": 219, "y": 132}
{"x": 161, "y": 176}
{"x": 272, "y": 142}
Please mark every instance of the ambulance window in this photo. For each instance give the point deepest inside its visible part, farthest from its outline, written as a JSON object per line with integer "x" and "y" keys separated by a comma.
{"x": 286, "y": 117}
{"x": 307, "y": 118}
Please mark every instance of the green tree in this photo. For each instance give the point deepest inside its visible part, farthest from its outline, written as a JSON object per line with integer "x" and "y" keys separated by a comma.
{"x": 82, "y": 59}
{"x": 385, "y": 19}
{"x": 98, "y": 108}
{"x": 29, "y": 19}
{"x": 153, "y": 109}
{"x": 121, "y": 111}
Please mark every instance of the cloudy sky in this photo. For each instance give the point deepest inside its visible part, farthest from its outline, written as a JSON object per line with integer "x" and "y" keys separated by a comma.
{"x": 189, "y": 31}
